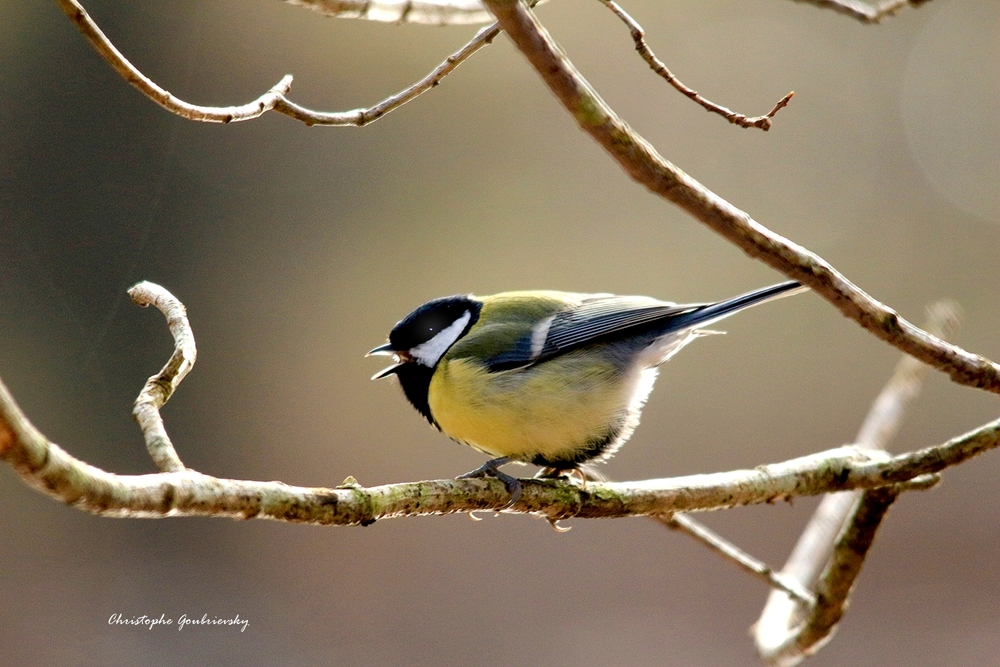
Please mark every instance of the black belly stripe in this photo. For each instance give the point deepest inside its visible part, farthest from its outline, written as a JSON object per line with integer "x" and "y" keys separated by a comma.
{"x": 595, "y": 449}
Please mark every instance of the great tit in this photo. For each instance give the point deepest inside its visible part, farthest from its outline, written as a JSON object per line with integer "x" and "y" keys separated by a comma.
{"x": 556, "y": 379}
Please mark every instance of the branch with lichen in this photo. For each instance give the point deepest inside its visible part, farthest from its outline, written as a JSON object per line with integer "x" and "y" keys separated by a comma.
{"x": 179, "y": 491}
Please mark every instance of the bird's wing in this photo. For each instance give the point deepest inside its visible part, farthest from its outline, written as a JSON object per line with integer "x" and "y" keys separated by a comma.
{"x": 591, "y": 319}
{"x": 606, "y": 316}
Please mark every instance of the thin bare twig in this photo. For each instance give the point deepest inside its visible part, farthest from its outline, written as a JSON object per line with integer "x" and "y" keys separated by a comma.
{"x": 460, "y": 12}
{"x": 165, "y": 99}
{"x": 832, "y": 549}
{"x": 731, "y": 552}
{"x": 864, "y": 12}
{"x": 276, "y": 97}
{"x": 639, "y": 37}
{"x": 641, "y": 161}
{"x": 361, "y": 117}
{"x": 160, "y": 387}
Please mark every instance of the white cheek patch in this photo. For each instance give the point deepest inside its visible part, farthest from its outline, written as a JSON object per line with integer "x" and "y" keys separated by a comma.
{"x": 429, "y": 353}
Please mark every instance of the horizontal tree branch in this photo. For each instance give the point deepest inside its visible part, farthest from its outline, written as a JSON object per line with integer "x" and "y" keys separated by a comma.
{"x": 49, "y": 468}
{"x": 642, "y": 162}
{"x": 457, "y": 12}
{"x": 434, "y": 12}
{"x": 182, "y": 492}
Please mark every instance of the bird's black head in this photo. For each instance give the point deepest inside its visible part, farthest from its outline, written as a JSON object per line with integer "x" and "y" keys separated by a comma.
{"x": 419, "y": 341}
{"x": 428, "y": 332}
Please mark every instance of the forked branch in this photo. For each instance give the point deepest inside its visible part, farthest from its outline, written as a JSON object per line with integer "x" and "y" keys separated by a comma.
{"x": 833, "y": 547}
{"x": 811, "y": 592}
{"x": 443, "y": 12}
{"x": 276, "y": 97}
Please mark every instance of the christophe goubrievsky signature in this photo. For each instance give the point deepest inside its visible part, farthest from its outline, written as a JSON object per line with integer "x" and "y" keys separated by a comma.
{"x": 182, "y": 621}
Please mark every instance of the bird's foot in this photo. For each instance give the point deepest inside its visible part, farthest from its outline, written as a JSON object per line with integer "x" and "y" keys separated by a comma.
{"x": 490, "y": 469}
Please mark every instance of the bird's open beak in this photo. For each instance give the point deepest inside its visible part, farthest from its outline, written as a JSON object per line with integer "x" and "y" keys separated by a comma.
{"x": 386, "y": 372}
{"x": 387, "y": 351}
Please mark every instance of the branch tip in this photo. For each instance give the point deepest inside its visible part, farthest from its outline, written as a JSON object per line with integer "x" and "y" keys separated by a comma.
{"x": 655, "y": 64}
{"x": 160, "y": 387}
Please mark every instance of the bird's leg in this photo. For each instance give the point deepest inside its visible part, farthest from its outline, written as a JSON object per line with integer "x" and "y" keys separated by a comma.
{"x": 490, "y": 469}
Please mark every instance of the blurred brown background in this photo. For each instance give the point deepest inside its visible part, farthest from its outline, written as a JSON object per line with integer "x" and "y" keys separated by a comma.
{"x": 297, "y": 249}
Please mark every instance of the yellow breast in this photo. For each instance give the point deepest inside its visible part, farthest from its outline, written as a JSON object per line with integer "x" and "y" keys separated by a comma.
{"x": 551, "y": 410}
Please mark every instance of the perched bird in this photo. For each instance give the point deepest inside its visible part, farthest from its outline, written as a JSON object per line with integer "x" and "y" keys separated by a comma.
{"x": 551, "y": 378}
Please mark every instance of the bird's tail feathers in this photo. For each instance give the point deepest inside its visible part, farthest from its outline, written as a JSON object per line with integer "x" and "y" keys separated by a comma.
{"x": 716, "y": 311}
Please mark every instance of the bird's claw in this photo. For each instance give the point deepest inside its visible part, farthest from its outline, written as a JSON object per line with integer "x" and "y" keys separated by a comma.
{"x": 490, "y": 469}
